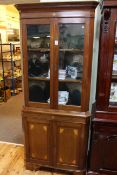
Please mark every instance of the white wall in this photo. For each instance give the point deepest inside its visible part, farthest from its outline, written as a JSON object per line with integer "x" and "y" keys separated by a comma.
{"x": 95, "y": 56}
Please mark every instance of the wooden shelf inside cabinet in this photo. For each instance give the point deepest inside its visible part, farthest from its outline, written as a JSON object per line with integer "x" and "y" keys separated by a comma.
{"x": 60, "y": 80}
{"x": 39, "y": 49}
{"x": 39, "y": 78}
{"x": 62, "y": 50}
{"x": 70, "y": 81}
{"x": 114, "y": 78}
{"x": 72, "y": 50}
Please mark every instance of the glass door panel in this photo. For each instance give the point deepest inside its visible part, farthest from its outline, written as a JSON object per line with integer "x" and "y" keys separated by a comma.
{"x": 38, "y": 47}
{"x": 71, "y": 53}
{"x": 113, "y": 90}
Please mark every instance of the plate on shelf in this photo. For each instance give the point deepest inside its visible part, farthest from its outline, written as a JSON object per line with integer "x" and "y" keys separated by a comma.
{"x": 113, "y": 93}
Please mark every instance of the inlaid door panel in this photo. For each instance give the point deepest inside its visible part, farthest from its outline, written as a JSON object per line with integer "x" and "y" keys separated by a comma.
{"x": 39, "y": 140}
{"x": 68, "y": 144}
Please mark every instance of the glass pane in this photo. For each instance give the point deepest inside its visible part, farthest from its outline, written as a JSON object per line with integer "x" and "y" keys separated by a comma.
{"x": 71, "y": 52}
{"x": 113, "y": 90}
{"x": 38, "y": 45}
{"x": 39, "y": 91}
{"x": 69, "y": 94}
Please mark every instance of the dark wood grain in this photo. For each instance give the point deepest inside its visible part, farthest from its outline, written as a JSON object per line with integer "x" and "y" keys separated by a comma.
{"x": 102, "y": 155}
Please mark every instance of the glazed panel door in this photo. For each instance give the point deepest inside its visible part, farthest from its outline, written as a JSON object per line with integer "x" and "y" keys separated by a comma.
{"x": 72, "y": 63}
{"x": 57, "y": 62}
{"x": 107, "y": 77}
{"x": 113, "y": 90}
{"x": 37, "y": 60}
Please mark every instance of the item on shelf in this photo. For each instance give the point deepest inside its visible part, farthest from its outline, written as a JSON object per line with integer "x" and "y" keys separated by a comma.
{"x": 38, "y": 65}
{"x": 71, "y": 72}
{"x": 113, "y": 92}
{"x": 45, "y": 42}
{"x": 74, "y": 65}
{"x": 79, "y": 68}
{"x": 36, "y": 93}
{"x": 39, "y": 92}
{"x": 115, "y": 65}
{"x": 74, "y": 60}
{"x": 63, "y": 97}
{"x": 61, "y": 74}
{"x": 75, "y": 97}
{"x": 35, "y": 43}
{"x": 48, "y": 74}
{"x": 76, "y": 42}
{"x": 69, "y": 39}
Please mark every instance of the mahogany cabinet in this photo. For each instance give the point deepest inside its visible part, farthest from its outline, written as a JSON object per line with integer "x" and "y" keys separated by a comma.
{"x": 57, "y": 44}
{"x": 103, "y": 154}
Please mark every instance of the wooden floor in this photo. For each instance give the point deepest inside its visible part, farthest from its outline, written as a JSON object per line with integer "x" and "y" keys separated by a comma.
{"x": 12, "y": 161}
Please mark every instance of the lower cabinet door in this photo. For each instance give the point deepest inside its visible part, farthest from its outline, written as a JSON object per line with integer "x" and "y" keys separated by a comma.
{"x": 69, "y": 145}
{"x": 104, "y": 148}
{"x": 38, "y": 141}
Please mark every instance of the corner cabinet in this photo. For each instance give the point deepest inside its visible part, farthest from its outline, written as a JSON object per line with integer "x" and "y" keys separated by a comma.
{"x": 103, "y": 154}
{"x": 57, "y": 43}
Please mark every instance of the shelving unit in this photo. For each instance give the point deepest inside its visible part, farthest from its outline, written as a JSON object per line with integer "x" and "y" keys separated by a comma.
{"x": 10, "y": 70}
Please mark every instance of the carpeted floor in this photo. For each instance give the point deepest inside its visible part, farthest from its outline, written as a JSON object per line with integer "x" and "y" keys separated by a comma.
{"x": 10, "y": 120}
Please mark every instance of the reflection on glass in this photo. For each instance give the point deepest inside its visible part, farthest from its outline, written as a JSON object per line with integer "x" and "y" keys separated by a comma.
{"x": 71, "y": 51}
{"x": 115, "y": 55}
{"x": 39, "y": 91}
{"x": 113, "y": 90}
{"x": 69, "y": 94}
{"x": 38, "y": 46}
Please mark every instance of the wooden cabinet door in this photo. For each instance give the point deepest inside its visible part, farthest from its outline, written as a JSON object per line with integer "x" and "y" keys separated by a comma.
{"x": 38, "y": 140}
{"x": 69, "y": 145}
{"x": 104, "y": 148}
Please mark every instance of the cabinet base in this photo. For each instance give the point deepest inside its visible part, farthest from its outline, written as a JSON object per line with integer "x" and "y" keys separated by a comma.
{"x": 37, "y": 167}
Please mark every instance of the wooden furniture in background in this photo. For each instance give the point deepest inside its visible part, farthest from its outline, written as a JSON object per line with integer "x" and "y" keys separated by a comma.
{"x": 103, "y": 157}
{"x": 57, "y": 42}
